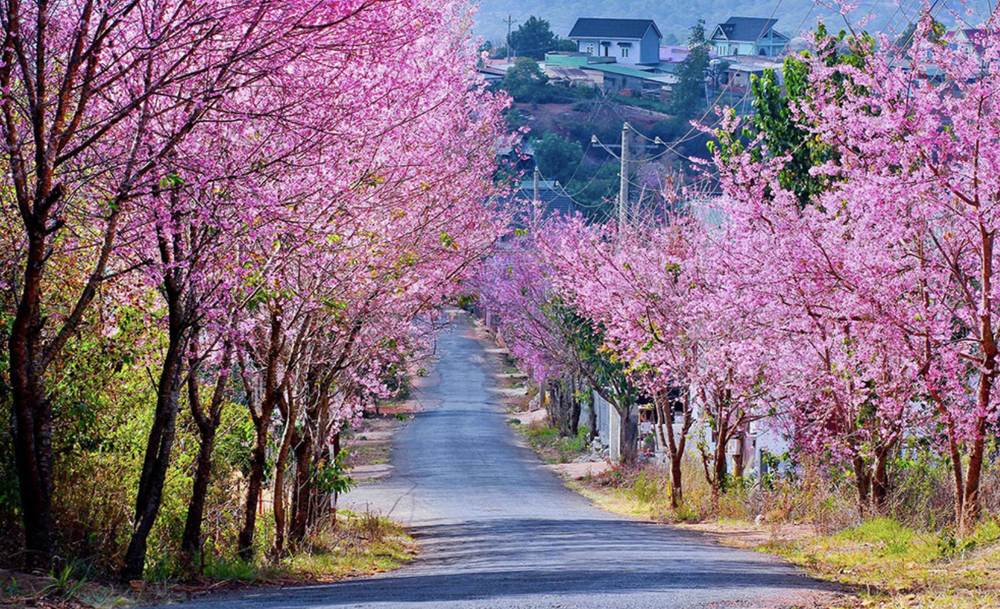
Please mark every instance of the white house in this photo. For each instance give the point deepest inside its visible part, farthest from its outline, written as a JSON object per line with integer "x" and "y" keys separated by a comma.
{"x": 628, "y": 41}
{"x": 967, "y": 40}
{"x": 748, "y": 36}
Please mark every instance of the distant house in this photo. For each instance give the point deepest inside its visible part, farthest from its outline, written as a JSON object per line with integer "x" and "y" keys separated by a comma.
{"x": 741, "y": 70}
{"x": 573, "y": 76}
{"x": 967, "y": 40}
{"x": 545, "y": 198}
{"x": 628, "y": 41}
{"x": 748, "y": 36}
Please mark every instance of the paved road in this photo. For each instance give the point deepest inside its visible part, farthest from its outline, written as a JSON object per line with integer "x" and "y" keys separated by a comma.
{"x": 498, "y": 530}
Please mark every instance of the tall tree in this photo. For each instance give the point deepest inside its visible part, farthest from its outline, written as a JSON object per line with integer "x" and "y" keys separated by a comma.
{"x": 557, "y": 157}
{"x": 688, "y": 94}
{"x": 533, "y": 38}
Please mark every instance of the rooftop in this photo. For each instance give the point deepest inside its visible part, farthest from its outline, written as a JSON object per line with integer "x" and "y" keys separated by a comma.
{"x": 590, "y": 27}
{"x": 586, "y": 62}
{"x": 746, "y": 29}
{"x": 552, "y": 197}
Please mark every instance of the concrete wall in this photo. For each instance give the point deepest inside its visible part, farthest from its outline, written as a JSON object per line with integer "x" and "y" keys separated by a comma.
{"x": 649, "y": 47}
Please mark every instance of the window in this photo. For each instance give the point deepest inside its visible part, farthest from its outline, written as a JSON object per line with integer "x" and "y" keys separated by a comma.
{"x": 590, "y": 48}
{"x": 624, "y": 52}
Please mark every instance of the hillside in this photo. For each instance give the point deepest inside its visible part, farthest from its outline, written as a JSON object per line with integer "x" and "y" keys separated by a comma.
{"x": 675, "y": 17}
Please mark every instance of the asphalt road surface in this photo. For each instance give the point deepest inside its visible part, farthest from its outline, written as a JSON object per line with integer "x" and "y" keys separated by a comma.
{"x": 496, "y": 529}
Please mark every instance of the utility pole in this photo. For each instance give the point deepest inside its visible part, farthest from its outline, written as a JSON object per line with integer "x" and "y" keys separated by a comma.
{"x": 510, "y": 22}
{"x": 535, "y": 184}
{"x": 623, "y": 191}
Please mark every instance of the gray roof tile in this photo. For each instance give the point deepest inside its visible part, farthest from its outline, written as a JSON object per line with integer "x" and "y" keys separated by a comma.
{"x": 589, "y": 27}
{"x": 746, "y": 28}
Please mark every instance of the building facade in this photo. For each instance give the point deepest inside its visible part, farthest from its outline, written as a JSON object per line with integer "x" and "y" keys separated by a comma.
{"x": 748, "y": 36}
{"x": 627, "y": 41}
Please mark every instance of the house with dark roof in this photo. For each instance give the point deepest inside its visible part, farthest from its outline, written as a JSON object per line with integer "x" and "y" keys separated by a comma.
{"x": 748, "y": 36}
{"x": 628, "y": 41}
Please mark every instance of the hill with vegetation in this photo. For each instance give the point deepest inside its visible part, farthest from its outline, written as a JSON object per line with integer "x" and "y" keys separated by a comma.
{"x": 675, "y": 17}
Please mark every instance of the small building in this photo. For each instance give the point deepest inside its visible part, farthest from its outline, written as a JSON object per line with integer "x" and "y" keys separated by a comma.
{"x": 612, "y": 77}
{"x": 748, "y": 36}
{"x": 573, "y": 76}
{"x": 737, "y": 75}
{"x": 536, "y": 196}
{"x": 628, "y": 41}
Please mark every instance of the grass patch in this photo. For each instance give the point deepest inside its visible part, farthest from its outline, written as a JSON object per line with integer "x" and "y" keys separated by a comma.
{"x": 895, "y": 566}
{"x": 360, "y": 544}
{"x": 547, "y": 442}
{"x": 644, "y": 103}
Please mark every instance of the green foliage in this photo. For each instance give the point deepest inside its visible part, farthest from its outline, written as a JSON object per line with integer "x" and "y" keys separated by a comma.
{"x": 689, "y": 91}
{"x": 774, "y": 126}
{"x": 332, "y": 477}
{"x": 62, "y": 585}
{"x": 525, "y": 81}
{"x": 648, "y": 488}
{"x": 602, "y": 367}
{"x": 533, "y": 39}
{"x": 557, "y": 157}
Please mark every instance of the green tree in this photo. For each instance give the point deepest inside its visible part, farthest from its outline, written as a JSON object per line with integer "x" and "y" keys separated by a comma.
{"x": 525, "y": 81}
{"x": 534, "y": 38}
{"x": 593, "y": 187}
{"x": 563, "y": 44}
{"x": 557, "y": 157}
{"x": 775, "y": 124}
{"x": 689, "y": 91}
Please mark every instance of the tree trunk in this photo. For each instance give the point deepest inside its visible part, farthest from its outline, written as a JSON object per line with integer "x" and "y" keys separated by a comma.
{"x": 279, "y": 477}
{"x": 675, "y": 445}
{"x": 32, "y": 413}
{"x": 971, "y": 503}
{"x": 575, "y": 409}
{"x": 629, "y": 435}
{"x": 157, "y": 459}
{"x": 271, "y": 394}
{"x": 880, "y": 478}
{"x": 721, "y": 466}
{"x": 191, "y": 542}
{"x": 302, "y": 494}
{"x": 255, "y": 482}
{"x": 208, "y": 425}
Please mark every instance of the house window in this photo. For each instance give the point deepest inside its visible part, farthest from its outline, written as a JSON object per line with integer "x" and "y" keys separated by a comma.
{"x": 624, "y": 52}
{"x": 590, "y": 48}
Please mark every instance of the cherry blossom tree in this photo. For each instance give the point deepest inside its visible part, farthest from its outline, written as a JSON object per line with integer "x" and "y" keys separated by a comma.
{"x": 889, "y": 268}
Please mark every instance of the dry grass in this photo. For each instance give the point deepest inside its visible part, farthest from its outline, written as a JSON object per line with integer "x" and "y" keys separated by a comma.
{"x": 814, "y": 523}
{"x": 360, "y": 544}
{"x": 893, "y": 566}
